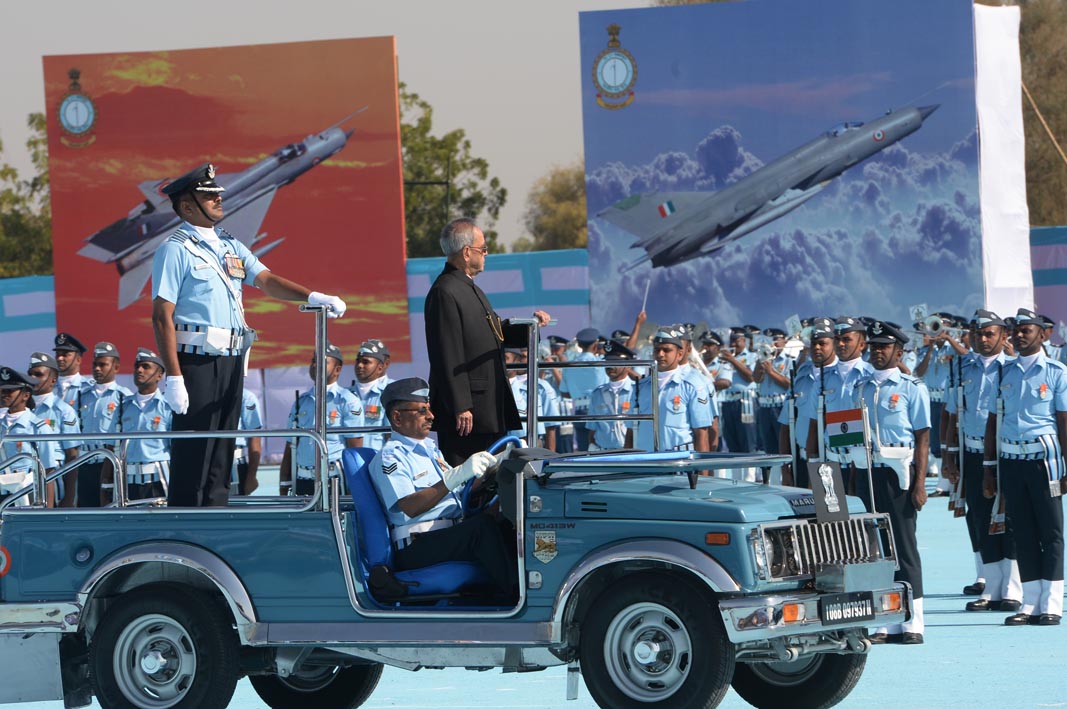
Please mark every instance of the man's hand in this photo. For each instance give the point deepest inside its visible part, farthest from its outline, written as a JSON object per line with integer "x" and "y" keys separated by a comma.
{"x": 1063, "y": 485}
{"x": 464, "y": 423}
{"x": 989, "y": 484}
{"x": 176, "y": 395}
{"x": 335, "y": 306}
{"x": 473, "y": 467}
{"x": 641, "y": 317}
{"x": 948, "y": 467}
{"x": 918, "y": 495}
{"x": 543, "y": 318}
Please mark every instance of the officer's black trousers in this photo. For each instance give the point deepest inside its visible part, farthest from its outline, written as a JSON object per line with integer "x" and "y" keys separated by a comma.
{"x": 889, "y": 498}
{"x": 995, "y": 547}
{"x": 1036, "y": 519}
{"x": 936, "y": 407}
{"x": 456, "y": 448}
{"x": 89, "y": 484}
{"x": 200, "y": 468}
{"x": 735, "y": 432}
{"x": 767, "y": 428}
{"x": 477, "y": 539}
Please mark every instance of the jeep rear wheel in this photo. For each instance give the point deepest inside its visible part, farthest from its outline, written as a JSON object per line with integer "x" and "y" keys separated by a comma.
{"x": 812, "y": 682}
{"x": 655, "y": 641}
{"x": 319, "y": 687}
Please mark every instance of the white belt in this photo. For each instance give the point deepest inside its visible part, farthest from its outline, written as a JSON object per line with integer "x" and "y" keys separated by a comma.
{"x": 240, "y": 455}
{"x": 732, "y": 396}
{"x": 11, "y": 483}
{"x": 772, "y": 400}
{"x": 581, "y": 402}
{"x": 937, "y": 394}
{"x": 331, "y": 469}
{"x": 897, "y": 458}
{"x": 974, "y": 445}
{"x": 403, "y": 534}
{"x": 1022, "y": 447}
{"x": 142, "y": 473}
{"x": 215, "y": 340}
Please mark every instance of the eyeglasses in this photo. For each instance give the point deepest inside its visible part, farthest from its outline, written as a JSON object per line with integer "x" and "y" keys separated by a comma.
{"x": 483, "y": 248}
{"x": 420, "y": 410}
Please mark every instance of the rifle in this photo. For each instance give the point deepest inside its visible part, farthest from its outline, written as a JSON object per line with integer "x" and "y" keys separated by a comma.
{"x": 791, "y": 401}
{"x": 821, "y": 427}
{"x": 998, "y": 523}
{"x": 953, "y": 387}
{"x": 961, "y": 407}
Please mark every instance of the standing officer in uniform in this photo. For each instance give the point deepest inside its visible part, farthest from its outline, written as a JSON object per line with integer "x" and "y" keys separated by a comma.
{"x": 343, "y": 410}
{"x": 248, "y": 450}
{"x": 612, "y": 399}
{"x": 101, "y": 400}
{"x": 202, "y": 336}
{"x": 771, "y": 376}
{"x": 1002, "y": 588}
{"x": 58, "y": 414}
{"x": 935, "y": 361}
{"x": 147, "y": 461}
{"x": 578, "y": 384}
{"x": 898, "y": 407}
{"x": 684, "y": 416}
{"x": 372, "y": 361}
{"x": 420, "y": 493}
{"x": 839, "y": 382}
{"x": 17, "y": 419}
{"x": 547, "y": 403}
{"x": 740, "y": 436}
{"x": 69, "y": 351}
{"x": 1033, "y": 436}
{"x": 807, "y": 383}
{"x": 464, "y": 341}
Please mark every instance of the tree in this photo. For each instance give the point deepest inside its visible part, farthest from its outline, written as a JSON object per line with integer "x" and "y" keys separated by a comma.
{"x": 26, "y": 211}
{"x": 555, "y": 211}
{"x": 443, "y": 160}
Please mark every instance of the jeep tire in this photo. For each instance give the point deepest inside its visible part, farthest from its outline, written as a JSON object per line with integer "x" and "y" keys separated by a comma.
{"x": 812, "y": 682}
{"x": 319, "y": 687}
{"x": 654, "y": 640}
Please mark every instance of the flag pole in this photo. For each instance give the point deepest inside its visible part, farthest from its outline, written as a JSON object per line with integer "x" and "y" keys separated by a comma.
{"x": 867, "y": 451}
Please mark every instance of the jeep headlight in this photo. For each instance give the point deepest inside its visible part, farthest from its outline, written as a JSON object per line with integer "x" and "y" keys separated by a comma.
{"x": 775, "y": 556}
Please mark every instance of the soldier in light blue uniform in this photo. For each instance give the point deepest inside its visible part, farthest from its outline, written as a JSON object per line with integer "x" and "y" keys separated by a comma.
{"x": 147, "y": 460}
{"x": 547, "y": 403}
{"x": 17, "y": 419}
{"x": 420, "y": 493}
{"x": 579, "y": 383}
{"x": 691, "y": 372}
{"x": 997, "y": 571}
{"x": 372, "y": 362}
{"x": 102, "y": 400}
{"x": 839, "y": 382}
{"x": 936, "y": 360}
{"x": 69, "y": 351}
{"x": 898, "y": 408}
{"x": 684, "y": 416}
{"x": 612, "y": 399}
{"x": 1032, "y": 437}
{"x": 248, "y": 450}
{"x": 343, "y": 410}
{"x": 805, "y": 398}
{"x": 772, "y": 385}
{"x": 50, "y": 408}
{"x": 558, "y": 353}
{"x": 738, "y": 414}
{"x": 721, "y": 372}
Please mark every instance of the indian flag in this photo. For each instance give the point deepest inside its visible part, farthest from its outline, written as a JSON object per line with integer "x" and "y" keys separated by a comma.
{"x": 666, "y": 209}
{"x": 844, "y": 428}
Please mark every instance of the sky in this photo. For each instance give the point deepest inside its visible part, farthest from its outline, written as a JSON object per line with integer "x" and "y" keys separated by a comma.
{"x": 508, "y": 73}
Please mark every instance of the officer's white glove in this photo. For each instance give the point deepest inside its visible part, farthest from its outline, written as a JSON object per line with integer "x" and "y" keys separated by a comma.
{"x": 336, "y": 306}
{"x": 177, "y": 395}
{"x": 474, "y": 467}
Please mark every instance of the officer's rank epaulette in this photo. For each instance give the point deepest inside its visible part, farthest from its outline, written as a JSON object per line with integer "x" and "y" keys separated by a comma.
{"x": 179, "y": 237}
{"x": 38, "y": 424}
{"x": 70, "y": 423}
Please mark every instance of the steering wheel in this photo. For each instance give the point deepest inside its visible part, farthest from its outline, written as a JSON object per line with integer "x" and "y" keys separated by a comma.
{"x": 510, "y": 442}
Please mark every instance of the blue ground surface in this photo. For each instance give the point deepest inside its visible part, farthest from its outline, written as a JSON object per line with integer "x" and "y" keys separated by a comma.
{"x": 969, "y": 659}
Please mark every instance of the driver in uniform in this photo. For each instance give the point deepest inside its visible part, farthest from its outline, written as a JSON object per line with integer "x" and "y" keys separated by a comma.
{"x": 421, "y": 493}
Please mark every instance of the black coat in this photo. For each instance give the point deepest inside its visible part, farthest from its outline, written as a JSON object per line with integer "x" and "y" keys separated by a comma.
{"x": 466, "y": 352}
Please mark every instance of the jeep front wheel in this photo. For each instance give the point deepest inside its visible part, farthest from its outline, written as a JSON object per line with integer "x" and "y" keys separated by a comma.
{"x": 655, "y": 641}
{"x": 320, "y": 687}
{"x": 812, "y": 682}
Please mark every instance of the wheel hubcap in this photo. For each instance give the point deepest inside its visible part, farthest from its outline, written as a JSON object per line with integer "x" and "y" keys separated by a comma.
{"x": 788, "y": 674}
{"x": 154, "y": 662}
{"x": 647, "y": 652}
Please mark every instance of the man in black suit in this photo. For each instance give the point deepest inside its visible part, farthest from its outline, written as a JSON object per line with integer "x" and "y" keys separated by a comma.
{"x": 469, "y": 391}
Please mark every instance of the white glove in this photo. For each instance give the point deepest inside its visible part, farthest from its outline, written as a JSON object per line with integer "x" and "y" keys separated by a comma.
{"x": 177, "y": 395}
{"x": 474, "y": 467}
{"x": 336, "y": 306}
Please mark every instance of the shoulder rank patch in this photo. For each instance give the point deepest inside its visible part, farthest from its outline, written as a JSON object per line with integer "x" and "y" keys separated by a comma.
{"x": 389, "y": 468}
{"x": 251, "y": 407}
{"x": 702, "y": 401}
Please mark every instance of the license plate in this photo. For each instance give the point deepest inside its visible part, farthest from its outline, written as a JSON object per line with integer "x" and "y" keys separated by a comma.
{"x": 846, "y": 608}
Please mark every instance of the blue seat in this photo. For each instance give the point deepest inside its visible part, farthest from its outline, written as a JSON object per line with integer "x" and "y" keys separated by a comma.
{"x": 375, "y": 545}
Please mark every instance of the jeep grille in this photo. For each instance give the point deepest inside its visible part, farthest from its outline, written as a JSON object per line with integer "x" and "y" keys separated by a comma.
{"x": 802, "y": 548}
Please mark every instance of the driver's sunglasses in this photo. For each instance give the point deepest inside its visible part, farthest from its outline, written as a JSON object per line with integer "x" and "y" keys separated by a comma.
{"x": 420, "y": 410}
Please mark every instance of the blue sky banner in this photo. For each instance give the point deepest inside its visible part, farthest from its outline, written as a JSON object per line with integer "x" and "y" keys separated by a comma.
{"x": 763, "y": 158}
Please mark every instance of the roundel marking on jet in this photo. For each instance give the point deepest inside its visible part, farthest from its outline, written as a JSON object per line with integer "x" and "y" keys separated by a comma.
{"x": 878, "y": 136}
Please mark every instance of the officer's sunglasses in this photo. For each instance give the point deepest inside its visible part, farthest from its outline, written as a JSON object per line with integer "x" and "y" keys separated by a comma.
{"x": 420, "y": 410}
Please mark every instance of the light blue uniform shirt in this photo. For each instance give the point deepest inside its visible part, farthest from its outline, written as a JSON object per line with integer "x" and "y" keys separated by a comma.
{"x": 343, "y": 410}
{"x": 937, "y": 371}
{"x": 738, "y": 385}
{"x": 155, "y": 416}
{"x": 547, "y": 403}
{"x": 769, "y": 387}
{"x": 699, "y": 380}
{"x": 62, "y": 417}
{"x": 839, "y": 392}
{"x": 406, "y": 466}
{"x": 26, "y": 423}
{"x": 608, "y": 401}
{"x": 580, "y": 383}
{"x": 67, "y": 389}
{"x": 1031, "y": 399}
{"x": 979, "y": 394}
{"x": 199, "y": 295}
{"x": 100, "y": 412}
{"x": 806, "y": 401}
{"x": 251, "y": 417}
{"x": 910, "y": 359}
{"x": 720, "y": 369}
{"x": 897, "y": 408}
{"x": 683, "y": 407}
{"x": 373, "y": 411}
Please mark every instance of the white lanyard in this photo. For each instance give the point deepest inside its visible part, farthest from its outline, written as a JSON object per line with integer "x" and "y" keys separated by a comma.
{"x": 217, "y": 268}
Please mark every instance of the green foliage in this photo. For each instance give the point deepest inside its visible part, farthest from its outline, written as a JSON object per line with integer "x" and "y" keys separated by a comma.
{"x": 25, "y": 210}
{"x": 426, "y": 159}
{"x": 555, "y": 211}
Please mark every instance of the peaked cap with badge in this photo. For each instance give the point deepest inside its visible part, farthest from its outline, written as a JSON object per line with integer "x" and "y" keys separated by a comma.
{"x": 146, "y": 355}
{"x": 105, "y": 349}
{"x": 65, "y": 342}
{"x": 375, "y": 349}
{"x": 43, "y": 359}
{"x": 410, "y": 389}
{"x": 13, "y": 379}
{"x": 199, "y": 179}
{"x": 880, "y": 332}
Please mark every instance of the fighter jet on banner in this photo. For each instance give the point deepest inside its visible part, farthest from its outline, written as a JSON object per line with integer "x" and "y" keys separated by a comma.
{"x": 674, "y": 227}
{"x": 131, "y": 242}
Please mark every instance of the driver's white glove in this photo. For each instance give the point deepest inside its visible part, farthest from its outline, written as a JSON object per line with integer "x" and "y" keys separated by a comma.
{"x": 336, "y": 306}
{"x": 474, "y": 467}
{"x": 176, "y": 395}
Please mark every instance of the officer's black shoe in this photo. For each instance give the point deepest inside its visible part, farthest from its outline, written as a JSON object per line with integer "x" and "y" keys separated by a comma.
{"x": 1009, "y": 606}
{"x": 982, "y": 604}
{"x": 1018, "y": 619}
{"x": 1045, "y": 619}
{"x": 878, "y": 638}
{"x": 975, "y": 589}
{"x": 912, "y": 639}
{"x": 894, "y": 639}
